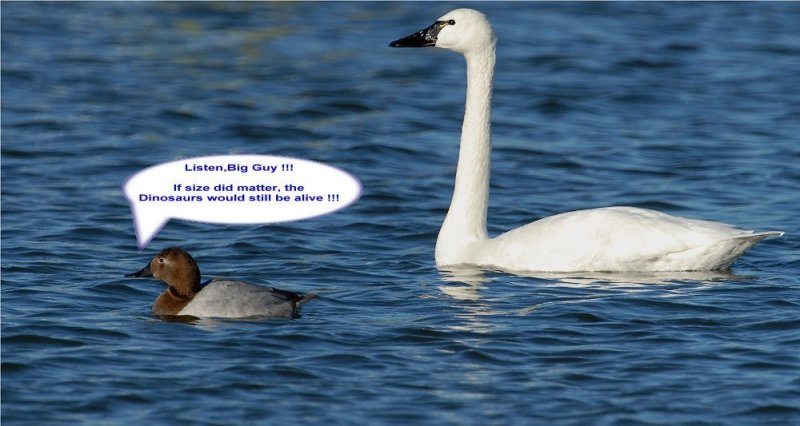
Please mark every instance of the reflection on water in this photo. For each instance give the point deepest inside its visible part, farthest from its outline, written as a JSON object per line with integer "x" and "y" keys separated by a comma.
{"x": 467, "y": 280}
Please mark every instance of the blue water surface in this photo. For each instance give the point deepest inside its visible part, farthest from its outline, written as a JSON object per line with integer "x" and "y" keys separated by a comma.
{"x": 689, "y": 108}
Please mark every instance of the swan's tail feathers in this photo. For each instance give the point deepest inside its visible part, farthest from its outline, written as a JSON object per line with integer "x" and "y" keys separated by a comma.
{"x": 729, "y": 250}
{"x": 772, "y": 233}
{"x": 758, "y": 236}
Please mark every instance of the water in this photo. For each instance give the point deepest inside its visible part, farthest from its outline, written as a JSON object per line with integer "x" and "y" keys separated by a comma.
{"x": 692, "y": 109}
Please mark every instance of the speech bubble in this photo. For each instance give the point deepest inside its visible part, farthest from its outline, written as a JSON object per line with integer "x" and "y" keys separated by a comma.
{"x": 235, "y": 189}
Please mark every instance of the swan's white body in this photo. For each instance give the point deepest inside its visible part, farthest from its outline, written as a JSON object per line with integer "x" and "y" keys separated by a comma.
{"x": 604, "y": 239}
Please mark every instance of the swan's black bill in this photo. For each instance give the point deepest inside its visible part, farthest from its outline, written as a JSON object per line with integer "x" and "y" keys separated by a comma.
{"x": 423, "y": 38}
{"x": 144, "y": 272}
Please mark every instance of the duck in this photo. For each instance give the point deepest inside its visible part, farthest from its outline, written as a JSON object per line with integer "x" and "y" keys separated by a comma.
{"x": 218, "y": 298}
{"x": 606, "y": 239}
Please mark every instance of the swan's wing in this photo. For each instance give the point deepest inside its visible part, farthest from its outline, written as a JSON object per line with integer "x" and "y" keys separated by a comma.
{"x": 617, "y": 239}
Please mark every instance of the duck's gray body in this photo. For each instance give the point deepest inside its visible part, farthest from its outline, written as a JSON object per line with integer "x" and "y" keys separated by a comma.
{"x": 236, "y": 299}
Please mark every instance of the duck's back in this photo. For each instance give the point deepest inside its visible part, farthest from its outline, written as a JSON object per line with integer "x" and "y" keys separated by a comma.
{"x": 237, "y": 299}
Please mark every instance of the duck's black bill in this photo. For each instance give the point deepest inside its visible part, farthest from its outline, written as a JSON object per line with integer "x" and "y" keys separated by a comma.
{"x": 144, "y": 272}
{"x": 423, "y": 38}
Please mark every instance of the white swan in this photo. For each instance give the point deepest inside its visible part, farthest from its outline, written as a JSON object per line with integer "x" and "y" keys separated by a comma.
{"x": 603, "y": 239}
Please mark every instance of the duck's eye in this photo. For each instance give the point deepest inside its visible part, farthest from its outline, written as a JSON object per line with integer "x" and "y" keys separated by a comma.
{"x": 451, "y": 22}
{"x": 160, "y": 260}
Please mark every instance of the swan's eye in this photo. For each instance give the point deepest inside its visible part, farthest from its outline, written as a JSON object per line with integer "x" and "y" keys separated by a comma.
{"x": 451, "y": 22}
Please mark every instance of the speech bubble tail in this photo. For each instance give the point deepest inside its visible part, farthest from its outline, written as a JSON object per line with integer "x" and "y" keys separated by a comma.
{"x": 142, "y": 244}
{"x": 147, "y": 227}
{"x": 145, "y": 236}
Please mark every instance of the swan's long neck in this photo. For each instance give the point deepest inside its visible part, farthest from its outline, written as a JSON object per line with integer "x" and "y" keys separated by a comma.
{"x": 465, "y": 223}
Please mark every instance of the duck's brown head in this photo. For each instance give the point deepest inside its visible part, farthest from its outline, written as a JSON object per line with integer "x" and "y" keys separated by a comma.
{"x": 178, "y": 270}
